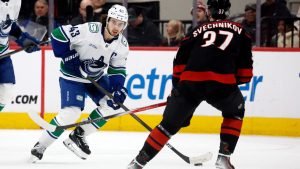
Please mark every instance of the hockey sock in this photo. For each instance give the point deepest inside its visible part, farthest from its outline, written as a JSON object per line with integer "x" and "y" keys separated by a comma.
{"x": 57, "y": 133}
{"x": 155, "y": 142}
{"x": 65, "y": 116}
{"x": 90, "y": 128}
{"x": 230, "y": 132}
{"x": 46, "y": 139}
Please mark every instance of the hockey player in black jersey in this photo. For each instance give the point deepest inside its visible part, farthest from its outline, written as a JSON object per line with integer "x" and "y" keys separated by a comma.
{"x": 210, "y": 64}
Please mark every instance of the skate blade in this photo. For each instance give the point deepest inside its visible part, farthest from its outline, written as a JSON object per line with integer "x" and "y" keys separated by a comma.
{"x": 76, "y": 150}
{"x": 33, "y": 159}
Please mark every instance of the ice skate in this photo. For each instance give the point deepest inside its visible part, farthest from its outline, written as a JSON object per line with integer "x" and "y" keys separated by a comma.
{"x": 139, "y": 162}
{"x": 134, "y": 165}
{"x": 77, "y": 143}
{"x": 223, "y": 162}
{"x": 37, "y": 152}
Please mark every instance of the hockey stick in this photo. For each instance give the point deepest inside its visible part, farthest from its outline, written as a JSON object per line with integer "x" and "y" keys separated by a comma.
{"x": 24, "y": 48}
{"x": 52, "y": 128}
{"x": 197, "y": 161}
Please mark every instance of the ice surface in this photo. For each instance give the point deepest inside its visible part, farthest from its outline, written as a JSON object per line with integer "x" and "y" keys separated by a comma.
{"x": 114, "y": 150}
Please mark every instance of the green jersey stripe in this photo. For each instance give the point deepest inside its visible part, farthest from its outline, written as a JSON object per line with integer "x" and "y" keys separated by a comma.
{"x": 112, "y": 71}
{"x": 58, "y": 35}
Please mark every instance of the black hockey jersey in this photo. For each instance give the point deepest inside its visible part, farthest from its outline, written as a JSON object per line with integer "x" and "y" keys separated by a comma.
{"x": 217, "y": 51}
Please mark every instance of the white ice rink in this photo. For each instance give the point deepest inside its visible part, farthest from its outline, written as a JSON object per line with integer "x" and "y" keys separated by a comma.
{"x": 114, "y": 150}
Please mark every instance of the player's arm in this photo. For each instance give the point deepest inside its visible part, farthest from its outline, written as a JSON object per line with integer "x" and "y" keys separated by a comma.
{"x": 117, "y": 74}
{"x": 244, "y": 71}
{"x": 181, "y": 59}
{"x": 61, "y": 42}
{"x": 23, "y": 39}
{"x": 117, "y": 67}
{"x": 15, "y": 31}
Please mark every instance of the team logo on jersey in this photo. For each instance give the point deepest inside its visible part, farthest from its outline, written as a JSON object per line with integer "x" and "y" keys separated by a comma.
{"x": 93, "y": 27}
{"x": 6, "y": 24}
{"x": 93, "y": 67}
{"x": 79, "y": 97}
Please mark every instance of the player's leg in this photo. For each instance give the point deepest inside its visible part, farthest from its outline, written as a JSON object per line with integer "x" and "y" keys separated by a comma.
{"x": 233, "y": 109}
{"x": 72, "y": 102}
{"x": 178, "y": 110}
{"x": 100, "y": 111}
{"x": 7, "y": 81}
{"x": 6, "y": 93}
{"x": 100, "y": 100}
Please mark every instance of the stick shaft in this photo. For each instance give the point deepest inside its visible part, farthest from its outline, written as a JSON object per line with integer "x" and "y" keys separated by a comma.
{"x": 21, "y": 49}
{"x": 100, "y": 88}
{"x": 112, "y": 116}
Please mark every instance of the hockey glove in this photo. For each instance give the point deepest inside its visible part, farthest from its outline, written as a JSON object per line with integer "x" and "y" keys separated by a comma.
{"x": 119, "y": 96}
{"x": 26, "y": 40}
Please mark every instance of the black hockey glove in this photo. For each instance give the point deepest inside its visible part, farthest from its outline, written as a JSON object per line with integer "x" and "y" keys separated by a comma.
{"x": 119, "y": 96}
{"x": 26, "y": 40}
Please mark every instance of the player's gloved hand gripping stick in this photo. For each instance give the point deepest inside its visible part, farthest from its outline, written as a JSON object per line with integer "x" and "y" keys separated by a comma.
{"x": 29, "y": 48}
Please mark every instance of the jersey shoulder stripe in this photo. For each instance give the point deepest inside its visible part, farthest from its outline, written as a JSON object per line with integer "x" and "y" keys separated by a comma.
{"x": 76, "y": 34}
{"x": 59, "y": 35}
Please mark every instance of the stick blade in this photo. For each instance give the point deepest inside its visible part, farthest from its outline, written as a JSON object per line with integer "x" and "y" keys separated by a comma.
{"x": 40, "y": 121}
{"x": 197, "y": 161}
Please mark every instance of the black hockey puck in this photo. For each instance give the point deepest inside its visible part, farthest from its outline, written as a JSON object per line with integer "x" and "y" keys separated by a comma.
{"x": 198, "y": 164}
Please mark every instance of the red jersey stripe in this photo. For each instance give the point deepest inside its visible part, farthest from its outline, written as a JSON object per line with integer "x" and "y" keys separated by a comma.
{"x": 208, "y": 76}
{"x": 245, "y": 72}
{"x": 178, "y": 68}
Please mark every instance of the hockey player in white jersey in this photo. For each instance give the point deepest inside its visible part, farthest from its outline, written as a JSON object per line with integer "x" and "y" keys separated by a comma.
{"x": 9, "y": 12}
{"x": 88, "y": 50}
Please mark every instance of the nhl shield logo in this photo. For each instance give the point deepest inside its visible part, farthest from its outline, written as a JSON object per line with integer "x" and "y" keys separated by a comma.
{"x": 93, "y": 27}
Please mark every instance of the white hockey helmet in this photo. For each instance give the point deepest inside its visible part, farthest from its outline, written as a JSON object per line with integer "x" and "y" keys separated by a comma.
{"x": 118, "y": 12}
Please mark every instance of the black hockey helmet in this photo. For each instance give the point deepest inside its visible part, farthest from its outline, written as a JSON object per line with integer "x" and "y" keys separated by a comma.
{"x": 219, "y": 9}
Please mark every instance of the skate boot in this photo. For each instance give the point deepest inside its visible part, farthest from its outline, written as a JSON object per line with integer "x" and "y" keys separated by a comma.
{"x": 223, "y": 160}
{"x": 77, "y": 143}
{"x": 139, "y": 161}
{"x": 37, "y": 152}
{"x": 135, "y": 165}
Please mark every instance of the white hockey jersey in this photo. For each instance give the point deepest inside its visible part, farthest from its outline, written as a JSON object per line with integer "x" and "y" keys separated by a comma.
{"x": 83, "y": 46}
{"x": 9, "y": 13}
